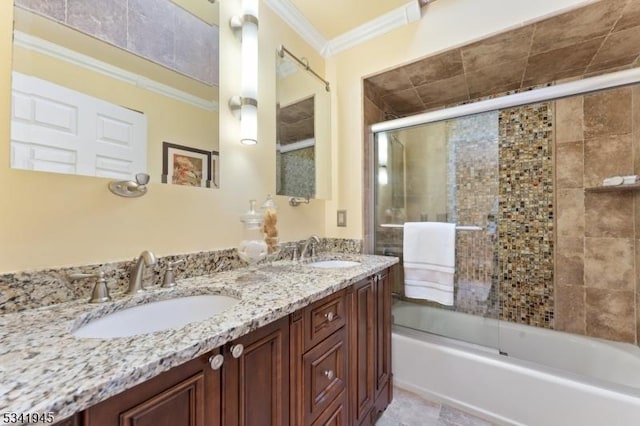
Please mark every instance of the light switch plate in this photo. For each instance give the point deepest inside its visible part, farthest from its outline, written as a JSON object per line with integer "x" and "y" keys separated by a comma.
{"x": 342, "y": 218}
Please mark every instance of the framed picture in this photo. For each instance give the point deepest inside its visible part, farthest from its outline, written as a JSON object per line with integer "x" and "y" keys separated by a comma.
{"x": 215, "y": 168}
{"x": 183, "y": 165}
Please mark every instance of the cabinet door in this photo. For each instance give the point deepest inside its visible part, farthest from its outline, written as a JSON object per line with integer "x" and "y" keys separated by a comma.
{"x": 187, "y": 395}
{"x": 256, "y": 382}
{"x": 383, "y": 331}
{"x": 362, "y": 349}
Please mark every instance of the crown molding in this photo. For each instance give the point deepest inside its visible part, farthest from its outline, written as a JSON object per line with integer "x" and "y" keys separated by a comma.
{"x": 403, "y": 15}
{"x": 399, "y": 17}
{"x": 56, "y": 51}
{"x": 300, "y": 24}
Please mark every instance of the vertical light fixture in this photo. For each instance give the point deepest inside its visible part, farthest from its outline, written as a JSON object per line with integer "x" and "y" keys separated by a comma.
{"x": 248, "y": 101}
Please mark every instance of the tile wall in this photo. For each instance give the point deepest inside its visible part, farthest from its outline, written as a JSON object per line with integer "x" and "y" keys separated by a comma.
{"x": 526, "y": 215}
{"x": 159, "y": 31}
{"x": 597, "y": 237}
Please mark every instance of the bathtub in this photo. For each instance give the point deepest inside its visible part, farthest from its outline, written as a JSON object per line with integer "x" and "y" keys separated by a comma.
{"x": 548, "y": 377}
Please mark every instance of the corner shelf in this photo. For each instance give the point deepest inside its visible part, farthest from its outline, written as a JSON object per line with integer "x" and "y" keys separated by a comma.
{"x": 614, "y": 188}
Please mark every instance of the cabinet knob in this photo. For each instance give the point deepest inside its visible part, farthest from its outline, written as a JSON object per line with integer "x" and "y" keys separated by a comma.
{"x": 329, "y": 316}
{"x": 329, "y": 374}
{"x": 216, "y": 361}
{"x": 236, "y": 350}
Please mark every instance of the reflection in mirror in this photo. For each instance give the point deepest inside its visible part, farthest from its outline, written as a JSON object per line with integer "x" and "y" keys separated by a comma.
{"x": 98, "y": 87}
{"x": 303, "y": 129}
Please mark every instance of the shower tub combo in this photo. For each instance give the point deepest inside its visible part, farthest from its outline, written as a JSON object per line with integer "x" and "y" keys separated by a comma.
{"x": 566, "y": 379}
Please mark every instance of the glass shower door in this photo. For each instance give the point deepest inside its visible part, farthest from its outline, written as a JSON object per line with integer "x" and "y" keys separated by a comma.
{"x": 443, "y": 172}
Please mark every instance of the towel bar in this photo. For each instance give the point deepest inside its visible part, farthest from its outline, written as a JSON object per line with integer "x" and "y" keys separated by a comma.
{"x": 458, "y": 227}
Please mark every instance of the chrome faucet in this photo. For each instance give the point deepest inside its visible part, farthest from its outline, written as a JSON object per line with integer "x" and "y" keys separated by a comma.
{"x": 311, "y": 241}
{"x": 137, "y": 271}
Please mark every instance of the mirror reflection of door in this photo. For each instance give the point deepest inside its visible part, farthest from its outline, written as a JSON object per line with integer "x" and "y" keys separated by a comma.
{"x": 296, "y": 149}
{"x": 99, "y": 86}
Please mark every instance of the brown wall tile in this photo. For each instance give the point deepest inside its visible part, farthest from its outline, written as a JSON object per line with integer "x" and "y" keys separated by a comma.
{"x": 403, "y": 101}
{"x": 607, "y": 156}
{"x": 607, "y": 113}
{"x": 570, "y": 309}
{"x": 433, "y": 68}
{"x": 391, "y": 81}
{"x": 622, "y": 44}
{"x": 569, "y": 164}
{"x": 452, "y": 89}
{"x": 506, "y": 47}
{"x": 561, "y": 63}
{"x": 609, "y": 263}
{"x": 630, "y": 16}
{"x": 569, "y": 262}
{"x": 570, "y": 213}
{"x": 609, "y": 215}
{"x": 585, "y": 23}
{"x": 569, "y": 123}
{"x": 495, "y": 78}
{"x": 611, "y": 314}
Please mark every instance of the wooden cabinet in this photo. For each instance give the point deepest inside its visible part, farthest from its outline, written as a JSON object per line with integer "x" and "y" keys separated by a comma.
{"x": 319, "y": 362}
{"x": 180, "y": 396}
{"x": 370, "y": 340}
{"x": 255, "y": 380}
{"x": 251, "y": 387}
{"x": 328, "y": 364}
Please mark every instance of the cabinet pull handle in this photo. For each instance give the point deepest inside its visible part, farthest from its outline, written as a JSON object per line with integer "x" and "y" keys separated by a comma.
{"x": 216, "y": 361}
{"x": 236, "y": 350}
{"x": 329, "y": 316}
{"x": 329, "y": 374}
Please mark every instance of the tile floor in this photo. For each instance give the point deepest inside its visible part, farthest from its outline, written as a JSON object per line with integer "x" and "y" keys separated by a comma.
{"x": 408, "y": 409}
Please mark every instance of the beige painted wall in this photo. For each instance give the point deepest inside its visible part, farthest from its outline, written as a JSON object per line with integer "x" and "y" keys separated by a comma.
{"x": 445, "y": 24}
{"x": 49, "y": 220}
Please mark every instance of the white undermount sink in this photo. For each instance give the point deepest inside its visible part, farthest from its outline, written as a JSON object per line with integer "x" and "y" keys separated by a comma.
{"x": 156, "y": 316}
{"x": 330, "y": 264}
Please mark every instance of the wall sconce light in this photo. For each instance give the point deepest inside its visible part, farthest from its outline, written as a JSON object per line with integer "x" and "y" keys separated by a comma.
{"x": 130, "y": 188}
{"x": 247, "y": 102}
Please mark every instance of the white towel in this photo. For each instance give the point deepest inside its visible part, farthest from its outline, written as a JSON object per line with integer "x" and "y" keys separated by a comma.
{"x": 429, "y": 260}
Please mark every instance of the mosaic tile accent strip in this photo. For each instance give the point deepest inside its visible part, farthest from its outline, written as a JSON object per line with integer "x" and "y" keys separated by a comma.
{"x": 525, "y": 222}
{"x": 35, "y": 289}
{"x": 297, "y": 173}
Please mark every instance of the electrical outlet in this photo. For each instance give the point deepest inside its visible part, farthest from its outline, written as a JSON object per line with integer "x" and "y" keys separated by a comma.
{"x": 342, "y": 218}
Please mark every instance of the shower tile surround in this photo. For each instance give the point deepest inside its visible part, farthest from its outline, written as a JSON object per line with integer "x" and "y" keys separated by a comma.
{"x": 39, "y": 288}
{"x": 133, "y": 25}
{"x": 597, "y": 284}
{"x": 601, "y": 37}
{"x": 594, "y": 233}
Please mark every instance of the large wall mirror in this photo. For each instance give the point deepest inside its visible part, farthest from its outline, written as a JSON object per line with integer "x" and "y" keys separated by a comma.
{"x": 303, "y": 129}
{"x": 112, "y": 88}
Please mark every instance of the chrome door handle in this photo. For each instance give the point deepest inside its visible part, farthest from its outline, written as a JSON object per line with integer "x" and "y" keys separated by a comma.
{"x": 329, "y": 374}
{"x": 329, "y": 316}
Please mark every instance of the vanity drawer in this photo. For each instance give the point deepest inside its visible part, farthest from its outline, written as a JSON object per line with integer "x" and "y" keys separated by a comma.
{"x": 336, "y": 414}
{"x": 324, "y": 374}
{"x": 323, "y": 317}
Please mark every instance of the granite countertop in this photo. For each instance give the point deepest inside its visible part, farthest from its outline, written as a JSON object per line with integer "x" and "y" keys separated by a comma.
{"x": 43, "y": 368}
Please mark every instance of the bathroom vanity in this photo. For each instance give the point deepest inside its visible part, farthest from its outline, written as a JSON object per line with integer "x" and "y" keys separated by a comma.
{"x": 305, "y": 346}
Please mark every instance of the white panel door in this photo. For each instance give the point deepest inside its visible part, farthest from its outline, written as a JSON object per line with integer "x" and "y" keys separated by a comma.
{"x": 56, "y": 129}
